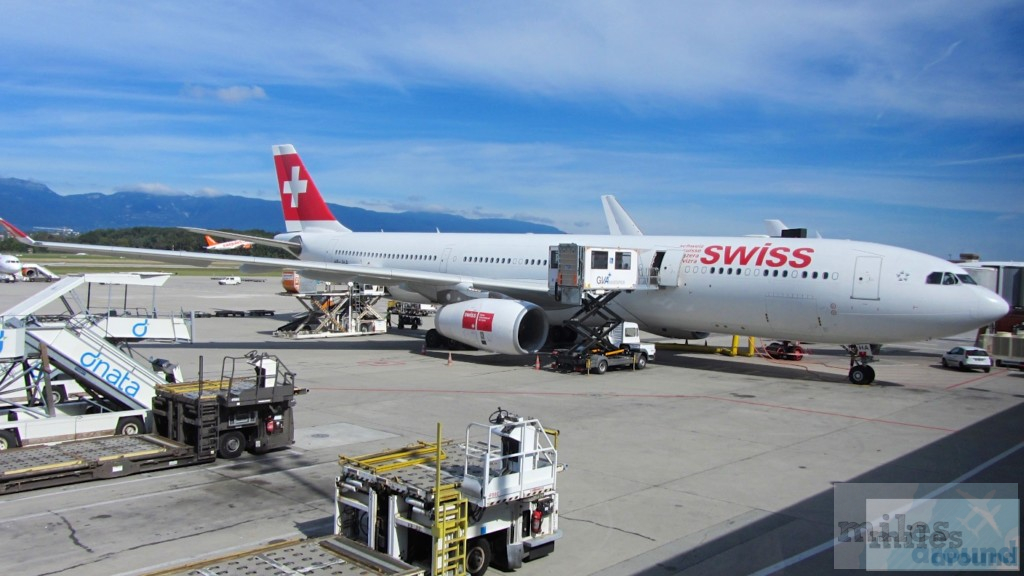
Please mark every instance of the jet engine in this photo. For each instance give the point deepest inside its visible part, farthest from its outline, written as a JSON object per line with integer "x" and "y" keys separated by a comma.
{"x": 494, "y": 325}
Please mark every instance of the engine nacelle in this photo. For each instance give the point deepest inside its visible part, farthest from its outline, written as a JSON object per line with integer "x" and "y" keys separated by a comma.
{"x": 495, "y": 325}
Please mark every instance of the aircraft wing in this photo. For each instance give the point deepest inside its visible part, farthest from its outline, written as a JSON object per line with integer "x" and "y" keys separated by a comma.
{"x": 254, "y": 239}
{"x": 310, "y": 268}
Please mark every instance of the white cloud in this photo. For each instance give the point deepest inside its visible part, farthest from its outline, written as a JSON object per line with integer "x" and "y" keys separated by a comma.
{"x": 932, "y": 58}
{"x": 230, "y": 94}
{"x": 149, "y": 188}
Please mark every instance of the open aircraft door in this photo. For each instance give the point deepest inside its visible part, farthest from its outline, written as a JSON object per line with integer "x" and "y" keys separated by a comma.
{"x": 865, "y": 277}
{"x": 666, "y": 268}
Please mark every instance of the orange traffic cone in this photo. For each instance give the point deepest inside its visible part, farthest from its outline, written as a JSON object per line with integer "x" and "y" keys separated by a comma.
{"x": 424, "y": 349}
{"x": 449, "y": 358}
{"x": 536, "y": 365}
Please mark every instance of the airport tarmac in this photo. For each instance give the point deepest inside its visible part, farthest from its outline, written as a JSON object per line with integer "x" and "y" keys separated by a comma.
{"x": 700, "y": 464}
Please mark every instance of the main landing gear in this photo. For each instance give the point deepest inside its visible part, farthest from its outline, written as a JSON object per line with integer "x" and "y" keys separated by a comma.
{"x": 860, "y": 356}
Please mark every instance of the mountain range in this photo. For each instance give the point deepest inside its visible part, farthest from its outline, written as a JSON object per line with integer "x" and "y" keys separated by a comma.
{"x": 31, "y": 205}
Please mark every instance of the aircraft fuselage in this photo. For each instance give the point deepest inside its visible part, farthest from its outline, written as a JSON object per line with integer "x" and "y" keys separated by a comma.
{"x": 818, "y": 290}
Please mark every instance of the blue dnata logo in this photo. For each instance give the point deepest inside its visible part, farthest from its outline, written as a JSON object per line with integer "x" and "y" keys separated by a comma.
{"x": 1, "y": 340}
{"x": 100, "y": 367}
{"x": 139, "y": 330}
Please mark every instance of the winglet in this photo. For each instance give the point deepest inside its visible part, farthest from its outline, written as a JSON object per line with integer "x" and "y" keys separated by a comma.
{"x": 17, "y": 233}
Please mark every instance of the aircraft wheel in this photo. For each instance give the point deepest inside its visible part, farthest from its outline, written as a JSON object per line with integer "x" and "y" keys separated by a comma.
{"x": 478, "y": 556}
{"x": 433, "y": 339}
{"x": 862, "y": 375}
{"x": 8, "y": 440}
{"x": 601, "y": 367}
{"x": 231, "y": 444}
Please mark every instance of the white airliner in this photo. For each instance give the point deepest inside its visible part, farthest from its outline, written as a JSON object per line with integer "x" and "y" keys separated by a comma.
{"x": 10, "y": 267}
{"x": 212, "y": 244}
{"x": 494, "y": 288}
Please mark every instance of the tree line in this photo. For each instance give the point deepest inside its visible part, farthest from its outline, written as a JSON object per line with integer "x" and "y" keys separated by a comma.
{"x": 147, "y": 237}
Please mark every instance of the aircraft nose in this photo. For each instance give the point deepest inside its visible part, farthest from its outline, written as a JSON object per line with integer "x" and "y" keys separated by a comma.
{"x": 989, "y": 307}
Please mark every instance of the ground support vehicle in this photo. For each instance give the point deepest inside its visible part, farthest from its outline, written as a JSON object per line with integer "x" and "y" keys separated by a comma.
{"x": 785, "y": 350}
{"x": 193, "y": 422}
{"x": 336, "y": 314}
{"x": 1006, "y": 348}
{"x": 456, "y": 508}
{"x": 591, "y": 278}
{"x": 239, "y": 412}
{"x": 614, "y": 344}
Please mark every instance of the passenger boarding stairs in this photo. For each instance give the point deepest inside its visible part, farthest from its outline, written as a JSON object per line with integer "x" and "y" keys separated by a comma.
{"x": 85, "y": 345}
{"x": 98, "y": 364}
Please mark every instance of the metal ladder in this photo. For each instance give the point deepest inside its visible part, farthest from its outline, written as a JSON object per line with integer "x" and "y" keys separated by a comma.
{"x": 451, "y": 524}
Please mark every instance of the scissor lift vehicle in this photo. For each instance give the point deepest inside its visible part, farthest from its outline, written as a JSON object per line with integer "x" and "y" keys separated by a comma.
{"x": 591, "y": 278}
{"x": 457, "y": 508}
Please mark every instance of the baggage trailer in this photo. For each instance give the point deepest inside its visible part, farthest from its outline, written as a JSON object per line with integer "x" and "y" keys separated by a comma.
{"x": 456, "y": 508}
{"x": 49, "y": 465}
{"x": 325, "y": 556}
{"x": 194, "y": 422}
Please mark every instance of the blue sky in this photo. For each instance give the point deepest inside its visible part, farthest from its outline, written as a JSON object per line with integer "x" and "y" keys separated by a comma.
{"x": 896, "y": 122}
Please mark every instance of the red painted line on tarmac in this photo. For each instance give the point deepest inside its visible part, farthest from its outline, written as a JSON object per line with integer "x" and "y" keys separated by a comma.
{"x": 666, "y": 396}
{"x": 971, "y": 381}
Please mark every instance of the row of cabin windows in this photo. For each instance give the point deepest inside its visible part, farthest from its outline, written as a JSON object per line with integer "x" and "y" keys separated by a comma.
{"x": 772, "y": 273}
{"x": 496, "y": 260}
{"x": 386, "y": 256}
{"x": 433, "y": 257}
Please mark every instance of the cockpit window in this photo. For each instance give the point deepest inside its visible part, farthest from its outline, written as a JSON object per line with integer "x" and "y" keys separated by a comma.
{"x": 966, "y": 279}
{"x": 945, "y": 278}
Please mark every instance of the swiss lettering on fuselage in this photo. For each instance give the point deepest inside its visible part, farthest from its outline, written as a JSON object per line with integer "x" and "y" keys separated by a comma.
{"x": 765, "y": 255}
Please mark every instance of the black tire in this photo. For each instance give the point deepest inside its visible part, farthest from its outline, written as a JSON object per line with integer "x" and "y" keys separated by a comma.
{"x": 231, "y": 444}
{"x": 988, "y": 369}
{"x": 58, "y": 394}
{"x": 130, "y": 426}
{"x": 8, "y": 440}
{"x": 862, "y": 375}
{"x": 433, "y": 339}
{"x": 944, "y": 363}
{"x": 961, "y": 366}
{"x": 641, "y": 362}
{"x": 478, "y": 556}
{"x": 601, "y": 367}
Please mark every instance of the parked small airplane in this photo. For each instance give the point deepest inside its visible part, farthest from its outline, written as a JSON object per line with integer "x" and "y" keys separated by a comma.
{"x": 10, "y": 268}
{"x": 496, "y": 294}
{"x": 212, "y": 244}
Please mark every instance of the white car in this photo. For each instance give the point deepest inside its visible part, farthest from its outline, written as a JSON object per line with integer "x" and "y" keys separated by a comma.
{"x": 229, "y": 281}
{"x": 967, "y": 357}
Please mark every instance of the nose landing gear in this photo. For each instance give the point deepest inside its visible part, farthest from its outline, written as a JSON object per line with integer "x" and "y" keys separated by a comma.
{"x": 860, "y": 356}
